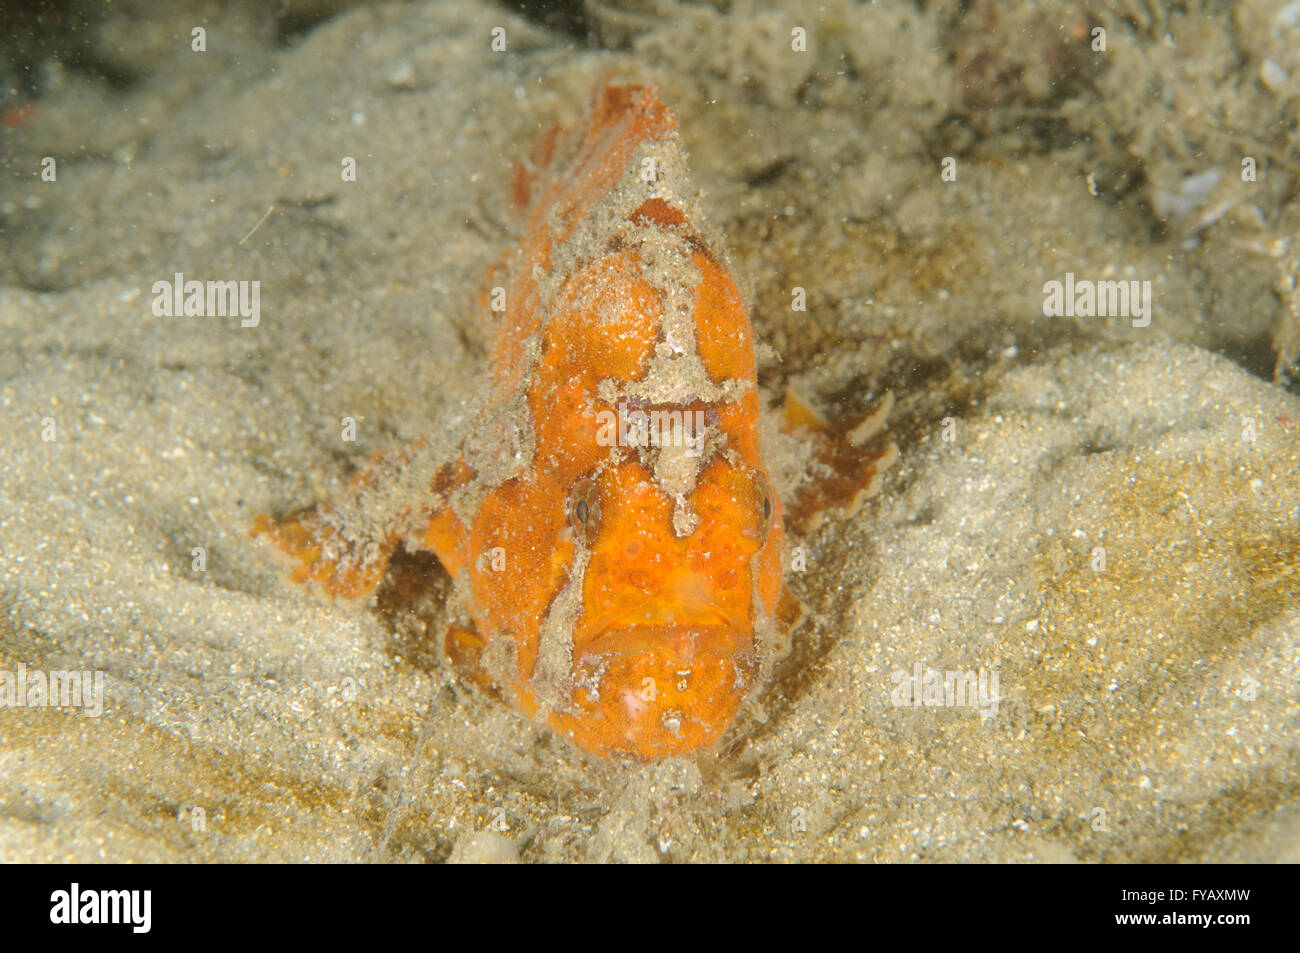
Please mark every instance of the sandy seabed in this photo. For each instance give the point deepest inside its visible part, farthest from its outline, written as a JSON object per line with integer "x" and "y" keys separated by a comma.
{"x": 1105, "y": 515}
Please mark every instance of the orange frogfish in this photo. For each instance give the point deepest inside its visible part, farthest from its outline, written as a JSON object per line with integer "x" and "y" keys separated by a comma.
{"x": 612, "y": 530}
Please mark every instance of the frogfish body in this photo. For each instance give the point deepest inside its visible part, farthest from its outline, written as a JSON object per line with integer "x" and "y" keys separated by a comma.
{"x": 609, "y": 522}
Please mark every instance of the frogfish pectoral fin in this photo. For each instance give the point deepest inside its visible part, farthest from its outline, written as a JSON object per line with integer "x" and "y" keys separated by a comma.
{"x": 847, "y": 462}
{"x": 340, "y": 549}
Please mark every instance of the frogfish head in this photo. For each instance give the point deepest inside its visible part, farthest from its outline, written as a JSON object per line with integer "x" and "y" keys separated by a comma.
{"x": 676, "y": 592}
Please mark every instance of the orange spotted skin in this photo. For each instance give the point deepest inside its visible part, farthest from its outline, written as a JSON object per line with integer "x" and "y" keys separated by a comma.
{"x": 627, "y": 636}
{"x": 619, "y": 585}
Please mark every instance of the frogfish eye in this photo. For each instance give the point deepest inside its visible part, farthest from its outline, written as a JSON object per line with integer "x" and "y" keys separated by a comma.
{"x": 766, "y": 508}
{"x": 584, "y": 509}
